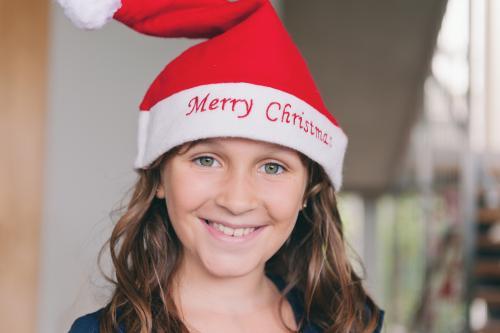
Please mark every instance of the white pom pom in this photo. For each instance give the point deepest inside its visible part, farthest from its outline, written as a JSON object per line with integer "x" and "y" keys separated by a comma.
{"x": 90, "y": 14}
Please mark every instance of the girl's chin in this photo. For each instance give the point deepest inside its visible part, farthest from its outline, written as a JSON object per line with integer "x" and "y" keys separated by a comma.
{"x": 225, "y": 267}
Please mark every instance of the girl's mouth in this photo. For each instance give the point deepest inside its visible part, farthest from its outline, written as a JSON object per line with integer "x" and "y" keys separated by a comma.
{"x": 224, "y": 232}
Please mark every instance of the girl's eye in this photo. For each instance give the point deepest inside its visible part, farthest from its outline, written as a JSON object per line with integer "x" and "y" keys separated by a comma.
{"x": 271, "y": 168}
{"x": 205, "y": 160}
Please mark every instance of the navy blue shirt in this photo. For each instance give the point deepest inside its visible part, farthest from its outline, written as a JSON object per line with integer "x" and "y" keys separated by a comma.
{"x": 89, "y": 323}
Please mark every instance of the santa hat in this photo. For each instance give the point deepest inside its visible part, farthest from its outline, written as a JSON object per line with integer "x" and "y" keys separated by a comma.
{"x": 248, "y": 79}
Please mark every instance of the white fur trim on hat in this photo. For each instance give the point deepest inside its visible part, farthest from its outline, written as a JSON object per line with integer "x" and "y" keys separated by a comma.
{"x": 90, "y": 14}
{"x": 239, "y": 109}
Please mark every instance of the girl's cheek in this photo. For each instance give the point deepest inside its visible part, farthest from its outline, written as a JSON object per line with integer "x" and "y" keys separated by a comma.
{"x": 186, "y": 176}
{"x": 282, "y": 201}
{"x": 189, "y": 190}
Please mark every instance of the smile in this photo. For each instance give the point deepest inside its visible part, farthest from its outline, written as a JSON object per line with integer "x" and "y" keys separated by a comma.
{"x": 223, "y": 231}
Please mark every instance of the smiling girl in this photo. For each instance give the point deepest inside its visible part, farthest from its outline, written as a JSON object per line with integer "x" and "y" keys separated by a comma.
{"x": 233, "y": 223}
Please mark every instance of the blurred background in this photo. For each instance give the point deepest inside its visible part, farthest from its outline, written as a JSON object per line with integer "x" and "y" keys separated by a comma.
{"x": 414, "y": 84}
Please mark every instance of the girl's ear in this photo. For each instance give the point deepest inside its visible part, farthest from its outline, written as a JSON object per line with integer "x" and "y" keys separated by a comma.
{"x": 160, "y": 192}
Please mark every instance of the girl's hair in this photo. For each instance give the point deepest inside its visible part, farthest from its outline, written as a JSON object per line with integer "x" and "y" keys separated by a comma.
{"x": 146, "y": 254}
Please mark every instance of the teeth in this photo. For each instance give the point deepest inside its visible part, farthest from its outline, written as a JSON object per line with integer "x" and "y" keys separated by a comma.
{"x": 230, "y": 231}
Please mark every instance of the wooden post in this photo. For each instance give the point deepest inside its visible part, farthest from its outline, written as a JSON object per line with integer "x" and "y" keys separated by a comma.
{"x": 23, "y": 81}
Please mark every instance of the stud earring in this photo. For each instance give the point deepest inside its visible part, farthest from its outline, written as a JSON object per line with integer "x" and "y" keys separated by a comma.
{"x": 305, "y": 204}
{"x": 158, "y": 192}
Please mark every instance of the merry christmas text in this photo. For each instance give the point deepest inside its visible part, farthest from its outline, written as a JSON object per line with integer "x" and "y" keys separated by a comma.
{"x": 274, "y": 112}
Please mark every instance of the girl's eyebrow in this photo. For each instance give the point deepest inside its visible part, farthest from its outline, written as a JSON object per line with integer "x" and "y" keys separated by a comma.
{"x": 202, "y": 144}
{"x": 207, "y": 142}
{"x": 270, "y": 150}
{"x": 217, "y": 142}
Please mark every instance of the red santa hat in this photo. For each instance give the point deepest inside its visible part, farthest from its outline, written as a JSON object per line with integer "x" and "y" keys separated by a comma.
{"x": 248, "y": 79}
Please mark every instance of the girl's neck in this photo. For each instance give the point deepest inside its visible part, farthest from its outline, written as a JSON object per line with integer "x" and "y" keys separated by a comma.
{"x": 197, "y": 289}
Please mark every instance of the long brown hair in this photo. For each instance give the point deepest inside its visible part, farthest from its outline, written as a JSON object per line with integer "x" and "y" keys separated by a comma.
{"x": 146, "y": 253}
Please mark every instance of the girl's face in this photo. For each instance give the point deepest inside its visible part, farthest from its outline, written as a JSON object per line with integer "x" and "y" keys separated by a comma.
{"x": 233, "y": 202}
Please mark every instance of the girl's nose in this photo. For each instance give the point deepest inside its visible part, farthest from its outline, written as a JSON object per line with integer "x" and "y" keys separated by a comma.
{"x": 237, "y": 194}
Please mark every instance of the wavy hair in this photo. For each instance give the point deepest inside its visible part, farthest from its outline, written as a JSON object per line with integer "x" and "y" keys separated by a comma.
{"x": 146, "y": 252}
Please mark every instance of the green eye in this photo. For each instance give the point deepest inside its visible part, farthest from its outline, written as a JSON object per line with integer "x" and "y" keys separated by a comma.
{"x": 205, "y": 160}
{"x": 272, "y": 168}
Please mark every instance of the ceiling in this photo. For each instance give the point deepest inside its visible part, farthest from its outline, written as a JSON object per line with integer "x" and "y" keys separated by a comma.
{"x": 369, "y": 59}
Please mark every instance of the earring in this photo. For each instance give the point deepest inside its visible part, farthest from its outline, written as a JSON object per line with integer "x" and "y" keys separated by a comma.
{"x": 304, "y": 205}
{"x": 157, "y": 192}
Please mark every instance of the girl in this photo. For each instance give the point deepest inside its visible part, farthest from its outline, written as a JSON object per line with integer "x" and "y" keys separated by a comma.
{"x": 233, "y": 224}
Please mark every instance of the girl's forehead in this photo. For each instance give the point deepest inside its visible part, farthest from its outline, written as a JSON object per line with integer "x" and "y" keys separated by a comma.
{"x": 222, "y": 142}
